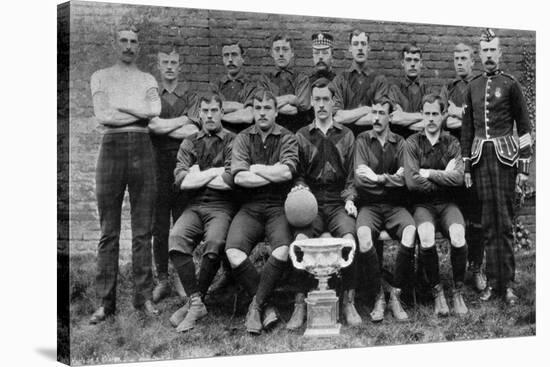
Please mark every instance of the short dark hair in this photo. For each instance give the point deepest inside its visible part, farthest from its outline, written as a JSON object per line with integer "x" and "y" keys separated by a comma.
{"x": 209, "y": 97}
{"x": 284, "y": 37}
{"x": 324, "y": 83}
{"x": 384, "y": 100}
{"x": 411, "y": 48}
{"x": 431, "y": 98}
{"x": 355, "y": 33}
{"x": 262, "y": 94}
{"x": 231, "y": 43}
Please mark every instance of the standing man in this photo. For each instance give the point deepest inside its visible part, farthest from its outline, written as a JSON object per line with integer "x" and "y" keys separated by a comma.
{"x": 236, "y": 89}
{"x": 201, "y": 164}
{"x": 407, "y": 94}
{"x": 358, "y": 87}
{"x": 124, "y": 100}
{"x": 289, "y": 86}
{"x": 454, "y": 96}
{"x": 433, "y": 169}
{"x": 494, "y": 101}
{"x": 325, "y": 160}
{"x": 263, "y": 163}
{"x": 380, "y": 191}
{"x": 178, "y": 119}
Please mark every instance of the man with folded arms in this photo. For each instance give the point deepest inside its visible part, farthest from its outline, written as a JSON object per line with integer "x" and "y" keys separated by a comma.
{"x": 380, "y": 191}
{"x": 124, "y": 100}
{"x": 289, "y": 86}
{"x": 357, "y": 87}
{"x": 263, "y": 163}
{"x": 433, "y": 169}
{"x": 236, "y": 89}
{"x": 202, "y": 159}
{"x": 178, "y": 119}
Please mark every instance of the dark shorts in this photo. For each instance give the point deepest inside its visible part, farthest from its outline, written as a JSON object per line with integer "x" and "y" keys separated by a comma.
{"x": 442, "y": 216}
{"x": 332, "y": 218}
{"x": 256, "y": 221}
{"x": 210, "y": 220}
{"x": 378, "y": 217}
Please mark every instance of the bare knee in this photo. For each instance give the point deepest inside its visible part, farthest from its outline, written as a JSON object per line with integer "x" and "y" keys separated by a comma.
{"x": 407, "y": 237}
{"x": 456, "y": 234}
{"x": 280, "y": 253}
{"x": 364, "y": 235}
{"x": 326, "y": 235}
{"x": 301, "y": 236}
{"x": 426, "y": 234}
{"x": 235, "y": 257}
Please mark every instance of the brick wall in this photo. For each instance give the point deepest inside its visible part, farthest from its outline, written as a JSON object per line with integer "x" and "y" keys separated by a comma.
{"x": 198, "y": 34}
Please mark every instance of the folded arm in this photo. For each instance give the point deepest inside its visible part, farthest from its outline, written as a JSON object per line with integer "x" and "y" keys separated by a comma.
{"x": 277, "y": 172}
{"x": 196, "y": 178}
{"x": 351, "y": 116}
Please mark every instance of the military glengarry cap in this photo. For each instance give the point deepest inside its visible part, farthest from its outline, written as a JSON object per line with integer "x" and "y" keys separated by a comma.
{"x": 321, "y": 40}
{"x": 487, "y": 35}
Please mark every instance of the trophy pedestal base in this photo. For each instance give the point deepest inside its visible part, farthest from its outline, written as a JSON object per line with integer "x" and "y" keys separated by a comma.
{"x": 322, "y": 314}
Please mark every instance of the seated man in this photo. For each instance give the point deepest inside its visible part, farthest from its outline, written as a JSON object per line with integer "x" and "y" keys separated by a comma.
{"x": 263, "y": 162}
{"x": 433, "y": 168}
{"x": 380, "y": 190}
{"x": 325, "y": 157}
{"x": 199, "y": 169}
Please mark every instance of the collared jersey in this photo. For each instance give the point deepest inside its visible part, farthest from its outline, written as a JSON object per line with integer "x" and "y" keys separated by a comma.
{"x": 248, "y": 149}
{"x": 288, "y": 81}
{"x": 325, "y": 161}
{"x": 181, "y": 101}
{"x": 419, "y": 153}
{"x": 493, "y": 103}
{"x": 313, "y": 77}
{"x": 408, "y": 94}
{"x": 455, "y": 91}
{"x": 207, "y": 151}
{"x": 357, "y": 87}
{"x": 383, "y": 160}
{"x": 239, "y": 89}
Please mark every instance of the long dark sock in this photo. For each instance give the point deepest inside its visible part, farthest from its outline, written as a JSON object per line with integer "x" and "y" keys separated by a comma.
{"x": 271, "y": 273}
{"x": 404, "y": 266}
{"x": 474, "y": 239}
{"x": 430, "y": 259}
{"x": 247, "y": 275}
{"x": 209, "y": 267}
{"x": 185, "y": 268}
{"x": 349, "y": 275}
{"x": 459, "y": 256}
{"x": 369, "y": 262}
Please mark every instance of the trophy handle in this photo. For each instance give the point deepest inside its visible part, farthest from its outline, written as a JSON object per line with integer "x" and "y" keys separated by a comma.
{"x": 292, "y": 254}
{"x": 351, "y": 244}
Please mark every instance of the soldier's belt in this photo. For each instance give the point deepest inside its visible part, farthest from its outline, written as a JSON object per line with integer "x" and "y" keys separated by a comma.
{"x": 506, "y": 148}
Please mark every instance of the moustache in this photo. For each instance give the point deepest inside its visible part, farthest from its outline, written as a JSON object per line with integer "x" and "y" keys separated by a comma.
{"x": 377, "y": 124}
{"x": 321, "y": 63}
{"x": 490, "y": 62}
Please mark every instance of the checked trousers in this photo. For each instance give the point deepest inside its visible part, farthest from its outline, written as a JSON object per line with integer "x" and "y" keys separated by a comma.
{"x": 495, "y": 184}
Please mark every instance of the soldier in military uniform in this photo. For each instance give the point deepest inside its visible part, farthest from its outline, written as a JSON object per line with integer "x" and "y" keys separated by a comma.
{"x": 453, "y": 94}
{"x": 495, "y": 161}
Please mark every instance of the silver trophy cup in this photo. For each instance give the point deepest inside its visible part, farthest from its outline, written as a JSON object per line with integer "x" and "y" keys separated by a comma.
{"x": 322, "y": 257}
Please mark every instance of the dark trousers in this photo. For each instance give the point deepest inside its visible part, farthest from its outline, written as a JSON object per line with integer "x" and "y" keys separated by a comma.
{"x": 125, "y": 160}
{"x": 495, "y": 184}
{"x": 169, "y": 202}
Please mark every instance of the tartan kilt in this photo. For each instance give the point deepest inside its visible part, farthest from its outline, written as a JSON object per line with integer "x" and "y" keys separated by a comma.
{"x": 495, "y": 185}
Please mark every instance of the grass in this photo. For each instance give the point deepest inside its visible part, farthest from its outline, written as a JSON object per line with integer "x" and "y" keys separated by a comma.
{"x": 130, "y": 336}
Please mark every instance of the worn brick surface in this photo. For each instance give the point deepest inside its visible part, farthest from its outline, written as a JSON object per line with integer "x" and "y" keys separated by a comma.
{"x": 198, "y": 35}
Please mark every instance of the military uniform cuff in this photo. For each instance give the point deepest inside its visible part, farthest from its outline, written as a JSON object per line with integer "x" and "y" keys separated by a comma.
{"x": 467, "y": 164}
{"x": 523, "y": 166}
